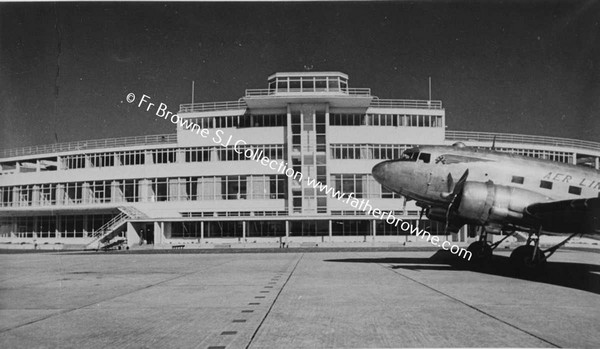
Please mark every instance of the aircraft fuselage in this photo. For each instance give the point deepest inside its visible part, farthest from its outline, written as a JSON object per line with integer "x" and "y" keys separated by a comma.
{"x": 498, "y": 188}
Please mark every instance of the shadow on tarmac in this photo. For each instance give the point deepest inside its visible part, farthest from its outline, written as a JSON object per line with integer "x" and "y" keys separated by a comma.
{"x": 585, "y": 277}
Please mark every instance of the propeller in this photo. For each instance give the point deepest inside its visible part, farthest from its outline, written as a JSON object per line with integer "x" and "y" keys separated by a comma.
{"x": 454, "y": 189}
{"x": 460, "y": 184}
{"x": 450, "y": 182}
{"x": 456, "y": 193}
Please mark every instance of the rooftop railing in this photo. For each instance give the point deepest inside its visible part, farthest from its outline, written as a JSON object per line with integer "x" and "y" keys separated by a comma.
{"x": 488, "y": 137}
{"x": 91, "y": 144}
{"x": 406, "y": 103}
{"x": 212, "y": 106}
{"x": 257, "y": 92}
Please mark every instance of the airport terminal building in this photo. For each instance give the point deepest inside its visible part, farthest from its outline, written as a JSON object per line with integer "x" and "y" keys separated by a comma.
{"x": 201, "y": 190}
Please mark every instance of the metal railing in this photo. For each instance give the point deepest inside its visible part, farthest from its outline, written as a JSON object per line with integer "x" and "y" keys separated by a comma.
{"x": 406, "y": 103}
{"x": 109, "y": 226}
{"x": 212, "y": 106}
{"x": 91, "y": 144}
{"x": 132, "y": 212}
{"x": 488, "y": 137}
{"x": 257, "y": 92}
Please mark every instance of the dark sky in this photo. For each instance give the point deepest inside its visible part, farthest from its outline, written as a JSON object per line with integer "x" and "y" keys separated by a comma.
{"x": 515, "y": 67}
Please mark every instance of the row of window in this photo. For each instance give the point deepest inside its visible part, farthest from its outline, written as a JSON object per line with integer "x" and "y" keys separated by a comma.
{"x": 274, "y": 151}
{"x": 308, "y": 84}
{"x": 366, "y": 213}
{"x": 79, "y": 226}
{"x": 203, "y": 154}
{"x": 368, "y": 151}
{"x": 254, "y": 187}
{"x": 235, "y": 229}
{"x": 233, "y": 213}
{"x": 240, "y": 121}
{"x": 53, "y": 226}
{"x": 575, "y": 190}
{"x": 362, "y": 185}
{"x": 335, "y": 119}
{"x": 170, "y": 155}
{"x": 559, "y": 156}
{"x": 408, "y": 120}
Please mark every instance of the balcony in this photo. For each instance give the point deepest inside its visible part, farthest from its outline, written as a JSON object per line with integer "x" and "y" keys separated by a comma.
{"x": 406, "y": 103}
{"x": 257, "y": 92}
{"x": 91, "y": 144}
{"x": 488, "y": 137}
{"x": 212, "y": 106}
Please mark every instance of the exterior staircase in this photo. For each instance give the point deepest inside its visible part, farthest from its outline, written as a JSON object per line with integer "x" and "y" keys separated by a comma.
{"x": 101, "y": 238}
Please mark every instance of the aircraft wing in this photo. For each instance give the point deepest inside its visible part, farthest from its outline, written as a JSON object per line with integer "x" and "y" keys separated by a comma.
{"x": 568, "y": 216}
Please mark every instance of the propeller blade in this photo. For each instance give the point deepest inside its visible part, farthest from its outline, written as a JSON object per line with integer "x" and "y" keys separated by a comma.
{"x": 450, "y": 182}
{"x": 461, "y": 183}
{"x": 458, "y": 188}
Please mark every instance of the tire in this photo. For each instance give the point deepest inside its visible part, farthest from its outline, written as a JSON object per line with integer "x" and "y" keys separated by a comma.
{"x": 481, "y": 251}
{"x": 521, "y": 258}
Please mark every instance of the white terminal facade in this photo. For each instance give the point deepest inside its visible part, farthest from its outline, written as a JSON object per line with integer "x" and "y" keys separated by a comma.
{"x": 180, "y": 189}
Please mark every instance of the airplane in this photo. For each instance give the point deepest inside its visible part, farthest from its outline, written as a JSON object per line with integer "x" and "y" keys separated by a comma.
{"x": 499, "y": 193}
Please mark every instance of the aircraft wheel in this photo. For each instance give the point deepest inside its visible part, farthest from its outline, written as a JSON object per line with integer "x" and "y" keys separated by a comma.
{"x": 481, "y": 251}
{"x": 522, "y": 258}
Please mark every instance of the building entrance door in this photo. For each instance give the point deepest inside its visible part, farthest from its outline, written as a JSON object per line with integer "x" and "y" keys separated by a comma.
{"x": 149, "y": 233}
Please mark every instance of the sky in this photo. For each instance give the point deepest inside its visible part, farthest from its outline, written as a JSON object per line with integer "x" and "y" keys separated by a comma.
{"x": 528, "y": 67}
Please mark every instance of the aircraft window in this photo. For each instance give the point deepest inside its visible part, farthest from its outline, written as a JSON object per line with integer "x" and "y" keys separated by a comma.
{"x": 574, "y": 190}
{"x": 518, "y": 179}
{"x": 407, "y": 156}
{"x": 545, "y": 184}
{"x": 425, "y": 157}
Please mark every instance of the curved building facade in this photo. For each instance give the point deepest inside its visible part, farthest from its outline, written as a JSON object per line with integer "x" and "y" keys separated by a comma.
{"x": 208, "y": 185}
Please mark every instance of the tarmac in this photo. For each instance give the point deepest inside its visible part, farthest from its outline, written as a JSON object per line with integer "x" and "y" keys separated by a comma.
{"x": 297, "y": 299}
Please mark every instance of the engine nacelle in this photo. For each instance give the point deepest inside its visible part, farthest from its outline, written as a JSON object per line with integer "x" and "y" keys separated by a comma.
{"x": 483, "y": 203}
{"x": 439, "y": 215}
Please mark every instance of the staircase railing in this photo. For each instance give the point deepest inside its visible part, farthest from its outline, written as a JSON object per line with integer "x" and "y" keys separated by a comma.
{"x": 110, "y": 225}
{"x": 127, "y": 212}
{"x": 132, "y": 212}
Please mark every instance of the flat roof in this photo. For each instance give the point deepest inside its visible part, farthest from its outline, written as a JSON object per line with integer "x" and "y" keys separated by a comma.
{"x": 308, "y": 73}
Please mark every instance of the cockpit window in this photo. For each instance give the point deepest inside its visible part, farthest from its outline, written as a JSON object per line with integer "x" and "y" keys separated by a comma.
{"x": 415, "y": 155}
{"x": 409, "y": 156}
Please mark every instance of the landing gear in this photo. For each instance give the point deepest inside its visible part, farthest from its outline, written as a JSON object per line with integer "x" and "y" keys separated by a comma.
{"x": 481, "y": 250}
{"x": 530, "y": 257}
{"x": 527, "y": 257}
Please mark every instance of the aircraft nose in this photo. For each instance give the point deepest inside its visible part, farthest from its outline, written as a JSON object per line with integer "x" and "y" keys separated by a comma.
{"x": 380, "y": 171}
